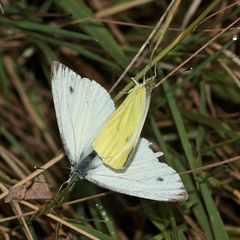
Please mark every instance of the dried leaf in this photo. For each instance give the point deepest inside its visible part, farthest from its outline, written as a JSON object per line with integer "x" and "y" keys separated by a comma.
{"x": 37, "y": 189}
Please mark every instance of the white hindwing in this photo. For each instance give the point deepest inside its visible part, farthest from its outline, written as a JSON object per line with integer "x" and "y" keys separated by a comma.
{"x": 82, "y": 107}
{"x": 145, "y": 177}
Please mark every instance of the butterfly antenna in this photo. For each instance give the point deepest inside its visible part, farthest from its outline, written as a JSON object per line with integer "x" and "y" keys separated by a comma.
{"x": 155, "y": 71}
{"x": 144, "y": 76}
{"x": 154, "y": 75}
{"x": 134, "y": 81}
{"x": 148, "y": 64}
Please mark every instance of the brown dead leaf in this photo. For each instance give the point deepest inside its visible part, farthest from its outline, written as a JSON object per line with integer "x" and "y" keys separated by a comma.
{"x": 37, "y": 189}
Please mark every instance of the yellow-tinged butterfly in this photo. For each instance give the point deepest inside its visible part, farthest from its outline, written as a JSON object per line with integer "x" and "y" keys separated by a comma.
{"x": 116, "y": 141}
{"x": 82, "y": 108}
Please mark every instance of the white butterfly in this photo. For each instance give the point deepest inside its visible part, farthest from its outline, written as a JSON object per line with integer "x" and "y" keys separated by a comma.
{"x": 82, "y": 107}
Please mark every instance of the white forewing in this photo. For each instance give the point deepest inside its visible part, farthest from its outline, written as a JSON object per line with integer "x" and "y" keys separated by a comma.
{"x": 144, "y": 177}
{"x": 82, "y": 107}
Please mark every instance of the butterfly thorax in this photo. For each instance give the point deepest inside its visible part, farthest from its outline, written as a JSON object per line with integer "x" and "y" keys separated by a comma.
{"x": 149, "y": 85}
{"x": 83, "y": 165}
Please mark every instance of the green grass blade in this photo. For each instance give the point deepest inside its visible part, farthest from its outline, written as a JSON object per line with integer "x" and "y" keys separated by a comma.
{"x": 179, "y": 125}
{"x": 3, "y": 80}
{"x": 77, "y": 48}
{"x": 44, "y": 29}
{"x": 200, "y": 214}
{"x": 178, "y": 39}
{"x": 213, "y": 123}
{"x": 48, "y": 52}
{"x": 194, "y": 200}
{"x": 97, "y": 31}
{"x": 214, "y": 216}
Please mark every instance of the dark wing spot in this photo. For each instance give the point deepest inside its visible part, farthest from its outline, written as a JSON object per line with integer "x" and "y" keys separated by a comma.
{"x": 160, "y": 179}
{"x": 161, "y": 158}
{"x": 71, "y": 89}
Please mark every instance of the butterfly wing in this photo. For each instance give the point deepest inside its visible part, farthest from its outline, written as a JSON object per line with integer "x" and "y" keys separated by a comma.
{"x": 145, "y": 177}
{"x": 82, "y": 107}
{"x": 119, "y": 136}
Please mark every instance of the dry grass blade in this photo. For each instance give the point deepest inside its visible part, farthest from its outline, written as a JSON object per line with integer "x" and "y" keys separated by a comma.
{"x": 234, "y": 77}
{"x": 61, "y": 221}
{"x": 16, "y": 208}
{"x": 29, "y": 108}
{"x": 17, "y": 216}
{"x": 192, "y": 10}
{"x": 195, "y": 227}
{"x": 213, "y": 165}
{"x": 11, "y": 162}
{"x": 222, "y": 10}
{"x": 86, "y": 198}
{"x": 228, "y": 53}
{"x": 120, "y": 8}
{"x": 159, "y": 36}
